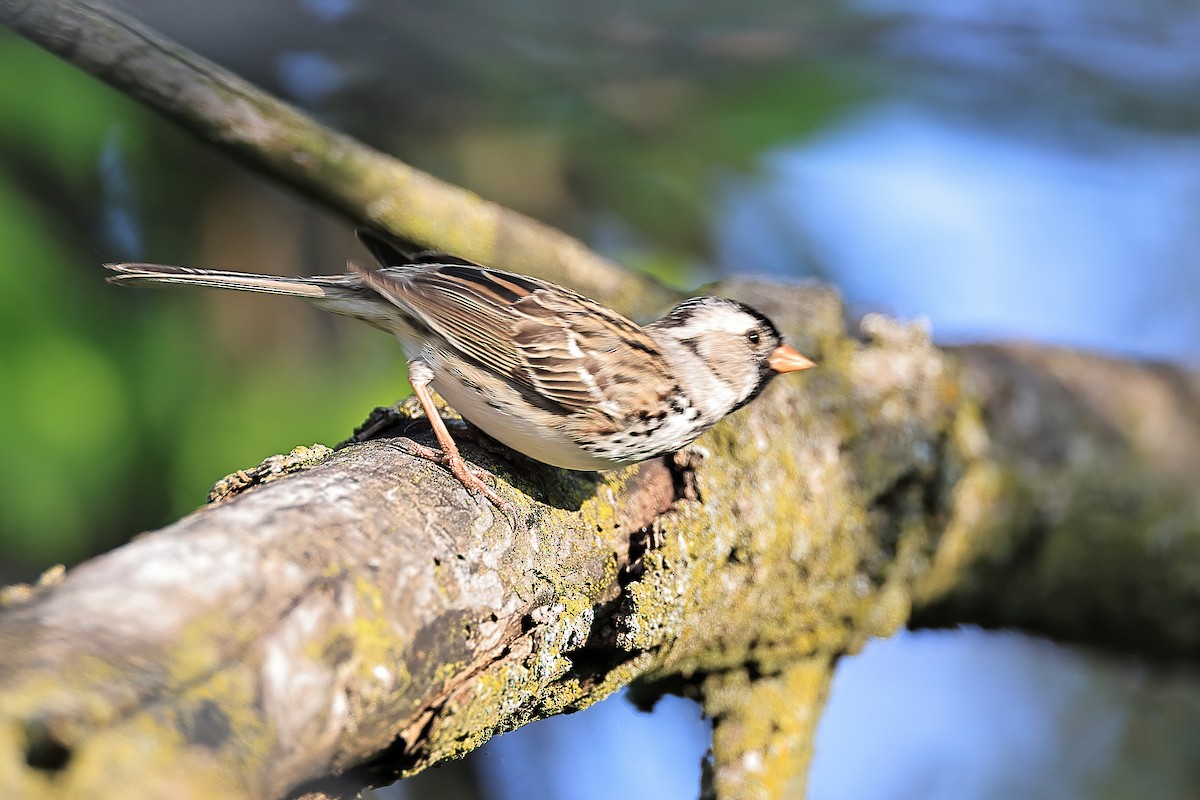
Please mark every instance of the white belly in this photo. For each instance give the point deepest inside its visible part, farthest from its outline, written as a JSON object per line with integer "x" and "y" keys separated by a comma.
{"x": 530, "y": 434}
{"x": 534, "y": 433}
{"x": 501, "y": 413}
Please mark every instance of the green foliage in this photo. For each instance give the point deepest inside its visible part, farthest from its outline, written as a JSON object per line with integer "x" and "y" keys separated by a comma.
{"x": 65, "y": 408}
{"x": 48, "y": 111}
{"x": 119, "y": 408}
{"x": 660, "y": 172}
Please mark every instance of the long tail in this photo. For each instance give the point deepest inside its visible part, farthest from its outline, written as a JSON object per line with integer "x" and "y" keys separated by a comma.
{"x": 345, "y": 294}
{"x": 309, "y": 287}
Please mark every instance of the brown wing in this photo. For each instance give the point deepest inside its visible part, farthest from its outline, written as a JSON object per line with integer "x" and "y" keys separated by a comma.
{"x": 568, "y": 352}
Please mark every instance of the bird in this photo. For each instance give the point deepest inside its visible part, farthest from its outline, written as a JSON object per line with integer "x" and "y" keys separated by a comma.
{"x": 540, "y": 368}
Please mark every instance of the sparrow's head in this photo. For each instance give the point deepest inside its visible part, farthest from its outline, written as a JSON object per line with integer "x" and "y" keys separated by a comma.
{"x": 738, "y": 344}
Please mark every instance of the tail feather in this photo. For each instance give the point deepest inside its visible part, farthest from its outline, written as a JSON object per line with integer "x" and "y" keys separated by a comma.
{"x": 310, "y": 287}
{"x": 340, "y": 294}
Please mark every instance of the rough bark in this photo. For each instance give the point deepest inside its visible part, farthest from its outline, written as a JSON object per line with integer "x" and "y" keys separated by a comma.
{"x": 360, "y": 617}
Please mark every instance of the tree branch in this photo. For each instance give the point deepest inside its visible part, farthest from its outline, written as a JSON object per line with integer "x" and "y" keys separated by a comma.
{"x": 364, "y": 617}
{"x": 1083, "y": 520}
{"x": 273, "y": 137}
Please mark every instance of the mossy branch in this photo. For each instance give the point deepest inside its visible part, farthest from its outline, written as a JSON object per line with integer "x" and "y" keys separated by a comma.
{"x": 368, "y": 186}
{"x": 361, "y": 617}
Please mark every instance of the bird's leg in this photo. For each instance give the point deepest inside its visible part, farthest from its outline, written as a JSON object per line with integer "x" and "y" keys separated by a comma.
{"x": 420, "y": 375}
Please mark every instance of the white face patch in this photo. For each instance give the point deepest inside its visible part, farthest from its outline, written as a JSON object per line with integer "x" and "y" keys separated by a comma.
{"x": 722, "y": 318}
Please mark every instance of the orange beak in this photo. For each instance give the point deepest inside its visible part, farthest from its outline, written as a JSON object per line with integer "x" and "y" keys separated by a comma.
{"x": 787, "y": 359}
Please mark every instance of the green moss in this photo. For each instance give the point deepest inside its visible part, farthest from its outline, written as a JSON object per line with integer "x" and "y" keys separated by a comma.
{"x": 374, "y": 645}
{"x": 112, "y": 751}
{"x": 763, "y": 732}
{"x": 138, "y": 757}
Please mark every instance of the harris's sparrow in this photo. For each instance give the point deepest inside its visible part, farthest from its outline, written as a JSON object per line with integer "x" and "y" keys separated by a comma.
{"x": 546, "y": 371}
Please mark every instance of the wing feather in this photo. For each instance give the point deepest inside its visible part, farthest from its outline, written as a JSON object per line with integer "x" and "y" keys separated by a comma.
{"x": 561, "y": 348}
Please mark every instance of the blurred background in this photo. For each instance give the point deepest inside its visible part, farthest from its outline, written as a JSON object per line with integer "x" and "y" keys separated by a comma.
{"x": 1005, "y": 168}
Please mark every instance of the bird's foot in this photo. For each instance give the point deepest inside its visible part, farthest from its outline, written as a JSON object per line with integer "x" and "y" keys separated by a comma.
{"x": 470, "y": 477}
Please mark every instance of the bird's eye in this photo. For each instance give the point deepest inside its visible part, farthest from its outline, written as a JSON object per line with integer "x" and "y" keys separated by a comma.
{"x": 753, "y": 337}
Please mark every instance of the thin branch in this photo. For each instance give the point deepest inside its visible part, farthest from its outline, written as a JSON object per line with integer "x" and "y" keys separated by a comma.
{"x": 275, "y": 138}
